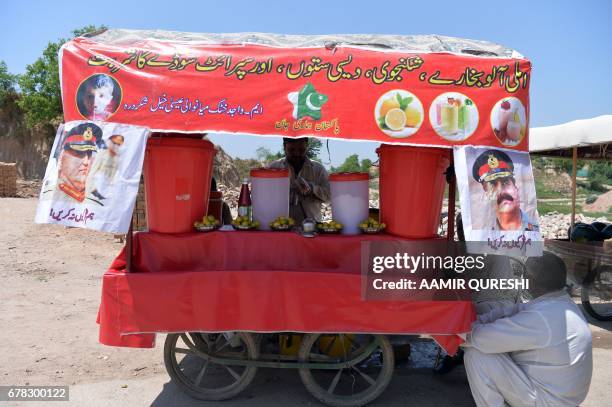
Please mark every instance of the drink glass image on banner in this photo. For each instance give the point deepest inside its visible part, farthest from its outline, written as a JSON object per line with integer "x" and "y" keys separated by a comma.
{"x": 509, "y": 121}
{"x": 453, "y": 116}
{"x": 398, "y": 113}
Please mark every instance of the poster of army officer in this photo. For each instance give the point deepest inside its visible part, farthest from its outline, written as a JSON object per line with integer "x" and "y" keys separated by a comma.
{"x": 93, "y": 176}
{"x": 497, "y": 194}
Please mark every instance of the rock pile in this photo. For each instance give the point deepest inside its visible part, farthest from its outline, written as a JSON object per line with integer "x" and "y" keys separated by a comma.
{"x": 554, "y": 225}
{"x": 230, "y": 196}
{"x": 225, "y": 171}
{"x": 28, "y": 188}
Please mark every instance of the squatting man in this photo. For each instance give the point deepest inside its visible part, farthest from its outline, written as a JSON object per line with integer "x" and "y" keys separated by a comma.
{"x": 537, "y": 353}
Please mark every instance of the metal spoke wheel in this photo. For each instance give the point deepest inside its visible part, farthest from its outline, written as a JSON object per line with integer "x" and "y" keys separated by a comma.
{"x": 355, "y": 369}
{"x": 187, "y": 357}
{"x": 597, "y": 294}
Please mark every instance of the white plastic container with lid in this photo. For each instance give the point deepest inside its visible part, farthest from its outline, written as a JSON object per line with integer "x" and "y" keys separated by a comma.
{"x": 269, "y": 195}
{"x": 350, "y": 199}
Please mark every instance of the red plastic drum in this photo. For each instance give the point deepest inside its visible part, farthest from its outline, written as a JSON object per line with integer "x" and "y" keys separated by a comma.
{"x": 412, "y": 184}
{"x": 177, "y": 182}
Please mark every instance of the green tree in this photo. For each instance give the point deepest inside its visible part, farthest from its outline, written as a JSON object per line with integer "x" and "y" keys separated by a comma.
{"x": 244, "y": 166}
{"x": 600, "y": 170}
{"x": 262, "y": 153}
{"x": 11, "y": 115}
{"x": 314, "y": 147}
{"x": 265, "y": 155}
{"x": 350, "y": 164}
{"x": 598, "y": 176}
{"x": 40, "y": 85}
{"x": 7, "y": 84}
{"x": 366, "y": 163}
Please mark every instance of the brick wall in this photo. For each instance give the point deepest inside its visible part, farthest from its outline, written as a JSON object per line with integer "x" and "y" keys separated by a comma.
{"x": 8, "y": 179}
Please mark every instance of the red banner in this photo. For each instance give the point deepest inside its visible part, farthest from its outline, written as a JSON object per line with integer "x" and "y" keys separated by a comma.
{"x": 438, "y": 99}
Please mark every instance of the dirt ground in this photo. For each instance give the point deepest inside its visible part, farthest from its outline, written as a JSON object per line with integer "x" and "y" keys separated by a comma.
{"x": 602, "y": 204}
{"x": 49, "y": 296}
{"x": 50, "y": 292}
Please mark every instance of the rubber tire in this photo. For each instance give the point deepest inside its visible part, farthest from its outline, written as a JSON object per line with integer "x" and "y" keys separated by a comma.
{"x": 320, "y": 394}
{"x": 584, "y": 296}
{"x": 205, "y": 394}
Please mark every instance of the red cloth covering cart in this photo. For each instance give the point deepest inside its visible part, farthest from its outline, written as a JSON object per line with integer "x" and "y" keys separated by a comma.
{"x": 258, "y": 282}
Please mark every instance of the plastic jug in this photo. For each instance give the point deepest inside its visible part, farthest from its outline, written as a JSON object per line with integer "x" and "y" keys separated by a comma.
{"x": 269, "y": 195}
{"x": 350, "y": 199}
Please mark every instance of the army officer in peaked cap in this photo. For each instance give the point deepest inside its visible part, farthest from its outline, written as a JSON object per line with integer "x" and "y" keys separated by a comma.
{"x": 494, "y": 170}
{"x": 75, "y": 159}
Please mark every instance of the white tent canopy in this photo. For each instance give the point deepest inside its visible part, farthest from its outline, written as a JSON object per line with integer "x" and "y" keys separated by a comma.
{"x": 578, "y": 133}
{"x": 589, "y": 134}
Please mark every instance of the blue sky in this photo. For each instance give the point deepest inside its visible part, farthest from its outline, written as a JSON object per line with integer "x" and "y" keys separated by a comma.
{"x": 568, "y": 42}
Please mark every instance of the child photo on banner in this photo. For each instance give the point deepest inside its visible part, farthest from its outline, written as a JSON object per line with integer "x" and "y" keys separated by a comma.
{"x": 93, "y": 176}
{"x": 498, "y": 197}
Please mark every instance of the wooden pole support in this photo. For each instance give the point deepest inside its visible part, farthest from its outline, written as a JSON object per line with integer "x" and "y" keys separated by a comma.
{"x": 128, "y": 247}
{"x": 452, "y": 185}
{"x": 574, "y": 169}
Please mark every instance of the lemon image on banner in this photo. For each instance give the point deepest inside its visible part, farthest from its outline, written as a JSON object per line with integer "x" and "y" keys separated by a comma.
{"x": 395, "y": 119}
{"x": 307, "y": 102}
{"x": 398, "y": 113}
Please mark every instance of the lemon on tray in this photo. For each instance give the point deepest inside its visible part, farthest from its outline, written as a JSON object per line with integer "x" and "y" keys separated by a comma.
{"x": 244, "y": 223}
{"x": 330, "y": 227}
{"x": 371, "y": 226}
{"x": 282, "y": 223}
{"x": 207, "y": 224}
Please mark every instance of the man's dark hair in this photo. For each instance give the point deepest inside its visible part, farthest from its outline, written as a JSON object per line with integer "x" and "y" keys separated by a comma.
{"x": 546, "y": 274}
{"x": 289, "y": 140}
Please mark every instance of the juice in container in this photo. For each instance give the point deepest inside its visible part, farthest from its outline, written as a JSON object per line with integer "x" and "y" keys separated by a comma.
{"x": 450, "y": 118}
{"x": 505, "y": 114}
{"x": 513, "y": 129}
{"x": 463, "y": 121}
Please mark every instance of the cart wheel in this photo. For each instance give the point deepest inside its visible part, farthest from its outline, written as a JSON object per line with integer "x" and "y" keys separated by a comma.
{"x": 368, "y": 370}
{"x": 597, "y": 294}
{"x": 203, "y": 379}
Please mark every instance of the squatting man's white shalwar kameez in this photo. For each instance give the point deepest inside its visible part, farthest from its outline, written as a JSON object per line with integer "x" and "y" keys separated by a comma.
{"x": 533, "y": 354}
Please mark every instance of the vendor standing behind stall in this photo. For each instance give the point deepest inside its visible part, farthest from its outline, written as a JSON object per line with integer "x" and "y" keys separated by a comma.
{"x": 309, "y": 181}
